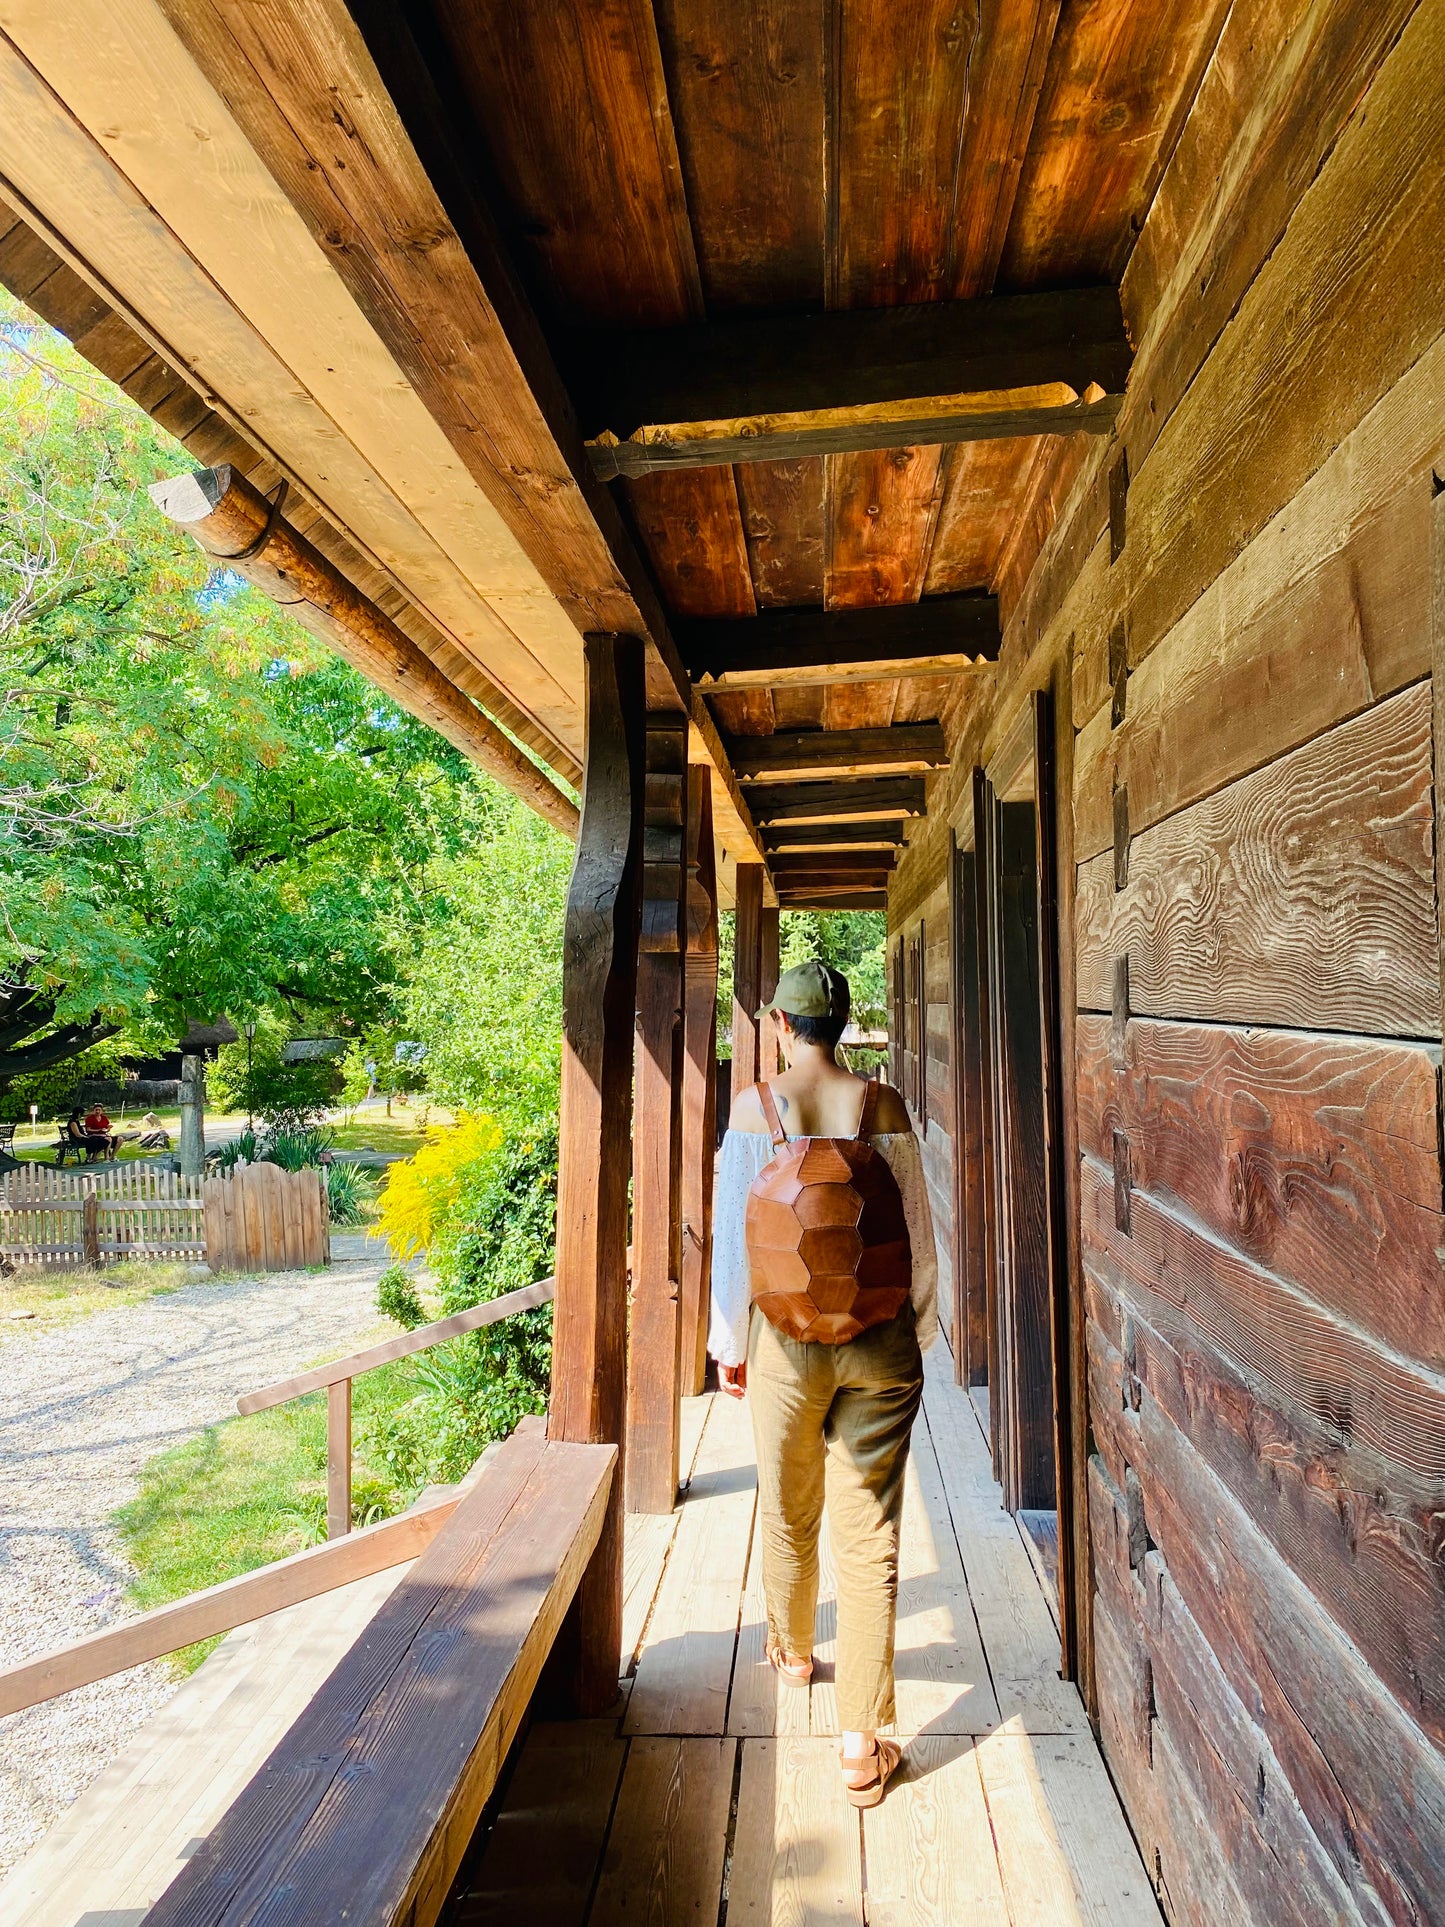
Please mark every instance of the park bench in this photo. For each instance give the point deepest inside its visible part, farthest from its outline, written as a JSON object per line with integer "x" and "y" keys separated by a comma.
{"x": 85, "y": 1149}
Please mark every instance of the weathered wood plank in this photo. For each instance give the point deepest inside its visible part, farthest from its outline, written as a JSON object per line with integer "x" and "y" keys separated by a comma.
{"x": 1299, "y": 1354}
{"x": 1317, "y": 1156}
{"x": 1306, "y": 354}
{"x": 692, "y": 529}
{"x": 1370, "y": 1783}
{"x": 1234, "y": 685}
{"x": 882, "y": 508}
{"x": 1300, "y": 895}
{"x": 599, "y": 985}
{"x": 747, "y": 975}
{"x": 931, "y": 1853}
{"x": 1358, "y": 1531}
{"x": 815, "y": 645}
{"x": 796, "y": 1844}
{"x": 664, "y": 1858}
{"x": 784, "y": 510}
{"x": 868, "y": 800}
{"x": 841, "y": 753}
{"x": 699, "y": 1083}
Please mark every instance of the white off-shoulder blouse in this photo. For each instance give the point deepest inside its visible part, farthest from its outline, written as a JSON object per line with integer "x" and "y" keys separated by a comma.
{"x": 744, "y": 1153}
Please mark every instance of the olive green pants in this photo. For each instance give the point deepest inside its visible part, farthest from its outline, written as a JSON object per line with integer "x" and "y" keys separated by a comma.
{"x": 831, "y": 1422}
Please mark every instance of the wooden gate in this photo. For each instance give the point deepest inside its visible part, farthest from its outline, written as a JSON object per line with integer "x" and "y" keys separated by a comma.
{"x": 262, "y": 1218}
{"x": 58, "y": 1219}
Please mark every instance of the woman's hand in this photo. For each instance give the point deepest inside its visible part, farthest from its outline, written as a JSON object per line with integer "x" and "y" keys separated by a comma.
{"x": 733, "y": 1379}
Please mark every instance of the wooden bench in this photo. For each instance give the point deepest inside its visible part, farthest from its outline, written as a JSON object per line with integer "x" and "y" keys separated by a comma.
{"x": 363, "y": 1811}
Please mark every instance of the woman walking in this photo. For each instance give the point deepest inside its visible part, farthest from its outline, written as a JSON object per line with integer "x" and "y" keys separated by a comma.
{"x": 824, "y": 1296}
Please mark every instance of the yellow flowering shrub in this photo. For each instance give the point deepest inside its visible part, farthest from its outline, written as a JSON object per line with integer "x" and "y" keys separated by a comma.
{"x": 420, "y": 1194}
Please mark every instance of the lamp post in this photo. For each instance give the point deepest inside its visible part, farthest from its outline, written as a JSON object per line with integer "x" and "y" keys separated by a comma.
{"x": 249, "y": 1028}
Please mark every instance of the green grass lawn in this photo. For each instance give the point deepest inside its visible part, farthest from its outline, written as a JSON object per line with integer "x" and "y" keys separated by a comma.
{"x": 58, "y": 1297}
{"x": 249, "y": 1491}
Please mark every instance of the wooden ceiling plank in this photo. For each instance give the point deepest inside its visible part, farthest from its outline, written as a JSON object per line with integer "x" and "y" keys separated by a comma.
{"x": 746, "y": 86}
{"x": 814, "y": 753}
{"x": 847, "y": 861}
{"x": 856, "y": 800}
{"x": 981, "y": 481}
{"x": 784, "y": 514}
{"x": 864, "y": 900}
{"x": 901, "y": 98}
{"x": 939, "y": 636}
{"x": 1009, "y": 65}
{"x": 692, "y": 529}
{"x": 738, "y": 367}
{"x": 882, "y": 508}
{"x": 1119, "y": 84}
{"x": 572, "y": 105}
{"x": 796, "y": 707}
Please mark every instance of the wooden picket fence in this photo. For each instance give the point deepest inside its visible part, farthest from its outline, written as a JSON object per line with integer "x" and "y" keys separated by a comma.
{"x": 262, "y": 1218}
{"x": 56, "y": 1218}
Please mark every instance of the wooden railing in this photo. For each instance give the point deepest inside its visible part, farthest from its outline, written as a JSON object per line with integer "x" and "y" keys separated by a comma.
{"x": 337, "y": 1376}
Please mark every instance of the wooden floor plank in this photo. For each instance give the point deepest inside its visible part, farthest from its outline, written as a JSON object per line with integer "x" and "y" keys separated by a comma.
{"x": 929, "y": 1848}
{"x": 943, "y": 1683}
{"x": 685, "y": 1668}
{"x": 761, "y": 1704}
{"x": 1020, "y": 1639}
{"x": 540, "y": 1863}
{"x": 664, "y": 1859}
{"x": 796, "y": 1852}
{"x": 648, "y": 1536}
{"x": 1065, "y": 1853}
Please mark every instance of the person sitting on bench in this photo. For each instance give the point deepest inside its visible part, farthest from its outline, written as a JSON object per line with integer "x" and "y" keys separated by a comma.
{"x": 77, "y": 1140}
{"x": 97, "y": 1125}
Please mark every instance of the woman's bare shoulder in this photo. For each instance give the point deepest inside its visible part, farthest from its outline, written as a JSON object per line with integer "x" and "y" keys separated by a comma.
{"x": 746, "y": 1112}
{"x": 890, "y": 1113}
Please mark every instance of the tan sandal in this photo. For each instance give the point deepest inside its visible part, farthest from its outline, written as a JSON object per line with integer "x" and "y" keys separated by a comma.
{"x": 885, "y": 1759}
{"x": 795, "y": 1672}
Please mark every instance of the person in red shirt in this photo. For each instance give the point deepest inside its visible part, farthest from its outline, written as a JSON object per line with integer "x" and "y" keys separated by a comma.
{"x": 97, "y": 1124}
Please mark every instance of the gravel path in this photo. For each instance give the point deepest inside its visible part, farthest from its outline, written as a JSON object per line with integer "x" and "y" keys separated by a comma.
{"x": 82, "y": 1408}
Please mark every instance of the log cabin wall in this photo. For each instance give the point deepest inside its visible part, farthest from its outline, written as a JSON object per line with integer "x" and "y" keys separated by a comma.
{"x": 1231, "y": 604}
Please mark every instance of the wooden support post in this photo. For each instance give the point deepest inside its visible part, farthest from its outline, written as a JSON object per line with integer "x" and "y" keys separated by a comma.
{"x": 338, "y": 1459}
{"x": 655, "y": 1328}
{"x": 90, "y": 1229}
{"x": 769, "y": 937}
{"x": 747, "y": 975}
{"x": 599, "y": 989}
{"x": 699, "y": 1083}
{"x": 1437, "y": 659}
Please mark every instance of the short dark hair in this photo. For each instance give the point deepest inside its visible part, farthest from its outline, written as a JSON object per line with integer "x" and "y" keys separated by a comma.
{"x": 817, "y": 1030}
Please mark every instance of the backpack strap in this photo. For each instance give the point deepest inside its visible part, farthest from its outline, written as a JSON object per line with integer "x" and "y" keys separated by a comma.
{"x": 770, "y": 1112}
{"x": 870, "y": 1105}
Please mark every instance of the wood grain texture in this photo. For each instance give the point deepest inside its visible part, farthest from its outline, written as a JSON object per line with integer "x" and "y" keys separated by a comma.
{"x": 664, "y": 1859}
{"x": 882, "y": 507}
{"x": 1239, "y": 444}
{"x": 1118, "y": 86}
{"x": 1317, "y": 1156}
{"x": 1325, "y": 645}
{"x": 692, "y": 530}
{"x": 981, "y": 482}
{"x": 1282, "y": 85}
{"x": 841, "y": 753}
{"x": 931, "y": 1854}
{"x": 479, "y": 1609}
{"x": 747, "y": 976}
{"x": 746, "y": 91}
{"x": 1301, "y": 895}
{"x": 599, "y": 989}
{"x": 1283, "y": 1342}
{"x": 1369, "y": 1781}
{"x": 573, "y": 107}
{"x": 1361, "y": 1536}
{"x": 796, "y": 1847}
{"x": 784, "y": 511}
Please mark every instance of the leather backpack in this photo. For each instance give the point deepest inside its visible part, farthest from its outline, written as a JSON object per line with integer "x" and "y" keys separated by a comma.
{"x": 827, "y": 1240}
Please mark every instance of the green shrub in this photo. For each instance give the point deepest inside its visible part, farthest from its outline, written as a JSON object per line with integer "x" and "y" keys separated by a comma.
{"x": 260, "y": 1082}
{"x": 348, "y": 1192}
{"x": 397, "y": 1298}
{"x": 296, "y": 1147}
{"x": 491, "y": 1229}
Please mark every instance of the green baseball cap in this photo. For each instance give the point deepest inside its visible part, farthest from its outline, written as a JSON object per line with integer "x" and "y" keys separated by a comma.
{"x": 811, "y": 990}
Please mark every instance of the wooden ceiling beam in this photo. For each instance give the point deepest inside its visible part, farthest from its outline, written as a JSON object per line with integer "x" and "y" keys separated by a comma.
{"x": 862, "y": 800}
{"x": 863, "y": 900}
{"x": 939, "y": 636}
{"x": 834, "y": 836}
{"x": 908, "y": 748}
{"x": 788, "y": 386}
{"x": 785, "y": 863}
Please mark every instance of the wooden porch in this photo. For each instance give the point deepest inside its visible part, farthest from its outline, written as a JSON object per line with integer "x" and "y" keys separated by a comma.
{"x": 712, "y": 1792}
{"x": 709, "y": 1792}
